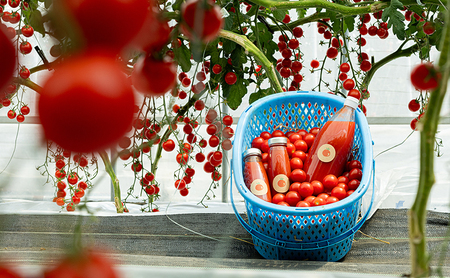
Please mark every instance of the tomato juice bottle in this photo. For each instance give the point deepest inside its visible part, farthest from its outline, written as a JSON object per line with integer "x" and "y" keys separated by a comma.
{"x": 255, "y": 176}
{"x": 279, "y": 168}
{"x": 333, "y": 144}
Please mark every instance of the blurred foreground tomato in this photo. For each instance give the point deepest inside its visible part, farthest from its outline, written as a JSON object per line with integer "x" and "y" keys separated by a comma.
{"x": 107, "y": 24}
{"x": 202, "y": 20}
{"x": 7, "y": 60}
{"x": 83, "y": 265}
{"x": 6, "y": 272}
{"x": 154, "y": 77}
{"x": 87, "y": 104}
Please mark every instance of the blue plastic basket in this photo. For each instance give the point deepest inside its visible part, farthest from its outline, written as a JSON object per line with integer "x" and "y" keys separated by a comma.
{"x": 292, "y": 233}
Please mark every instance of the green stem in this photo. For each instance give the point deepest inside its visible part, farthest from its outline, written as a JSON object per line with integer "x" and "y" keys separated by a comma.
{"x": 330, "y": 6}
{"x": 109, "y": 169}
{"x": 28, "y": 83}
{"x": 252, "y": 49}
{"x": 376, "y": 66}
{"x": 428, "y": 126}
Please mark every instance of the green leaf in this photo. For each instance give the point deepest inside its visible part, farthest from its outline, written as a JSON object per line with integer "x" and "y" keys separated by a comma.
{"x": 279, "y": 14}
{"x": 260, "y": 94}
{"x": 36, "y": 22}
{"x": 228, "y": 46}
{"x": 230, "y": 22}
{"x": 237, "y": 92}
{"x": 349, "y": 23}
{"x": 395, "y": 18}
{"x": 177, "y": 4}
{"x": 263, "y": 33}
{"x": 183, "y": 57}
{"x": 301, "y": 13}
{"x": 269, "y": 51}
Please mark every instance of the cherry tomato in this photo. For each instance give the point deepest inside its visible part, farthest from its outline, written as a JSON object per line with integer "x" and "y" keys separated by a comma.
{"x": 353, "y": 184}
{"x": 300, "y": 154}
{"x": 339, "y": 192}
{"x": 292, "y": 198}
{"x": 349, "y": 84}
{"x": 99, "y": 21}
{"x": 298, "y": 175}
{"x": 278, "y": 133}
{"x": 210, "y": 16}
{"x": 343, "y": 185}
{"x": 425, "y": 76}
{"x": 265, "y": 146}
{"x": 294, "y": 186}
{"x": 294, "y": 137}
{"x": 25, "y": 47}
{"x": 279, "y": 197}
{"x": 414, "y": 105}
{"x": 8, "y": 58}
{"x": 27, "y": 31}
{"x": 265, "y": 135}
{"x": 303, "y": 204}
{"x": 331, "y": 199}
{"x": 257, "y": 142}
{"x": 329, "y": 181}
{"x": 296, "y": 163}
{"x": 301, "y": 145}
{"x": 310, "y": 200}
{"x": 306, "y": 189}
{"x": 318, "y": 201}
{"x": 355, "y": 174}
{"x": 318, "y": 187}
{"x": 85, "y": 264}
{"x": 342, "y": 179}
{"x": 309, "y": 139}
{"x": 108, "y": 105}
{"x": 154, "y": 77}
{"x": 159, "y": 30}
{"x": 290, "y": 148}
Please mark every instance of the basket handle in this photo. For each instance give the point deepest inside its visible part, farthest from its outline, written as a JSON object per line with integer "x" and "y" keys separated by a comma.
{"x": 309, "y": 245}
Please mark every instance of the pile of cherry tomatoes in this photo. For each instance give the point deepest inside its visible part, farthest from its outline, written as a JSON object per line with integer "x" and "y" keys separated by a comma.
{"x": 304, "y": 193}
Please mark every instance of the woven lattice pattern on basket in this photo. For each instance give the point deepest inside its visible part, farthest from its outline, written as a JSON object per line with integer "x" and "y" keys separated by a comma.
{"x": 294, "y": 113}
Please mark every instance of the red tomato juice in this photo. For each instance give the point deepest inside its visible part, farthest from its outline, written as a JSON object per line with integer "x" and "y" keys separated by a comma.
{"x": 256, "y": 180}
{"x": 330, "y": 151}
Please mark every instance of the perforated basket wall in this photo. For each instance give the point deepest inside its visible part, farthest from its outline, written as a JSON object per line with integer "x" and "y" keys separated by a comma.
{"x": 319, "y": 230}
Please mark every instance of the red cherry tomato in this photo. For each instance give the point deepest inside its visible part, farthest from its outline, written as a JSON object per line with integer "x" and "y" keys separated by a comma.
{"x": 99, "y": 21}
{"x": 339, "y": 192}
{"x": 303, "y": 204}
{"x": 292, "y": 198}
{"x": 329, "y": 181}
{"x": 300, "y": 154}
{"x": 294, "y": 137}
{"x": 210, "y": 16}
{"x": 76, "y": 84}
{"x": 265, "y": 146}
{"x": 318, "y": 201}
{"x": 301, "y": 145}
{"x": 355, "y": 174}
{"x": 294, "y": 186}
{"x": 265, "y": 135}
{"x": 310, "y": 199}
{"x": 353, "y": 184}
{"x": 331, "y": 200}
{"x": 279, "y": 197}
{"x": 277, "y": 133}
{"x": 257, "y": 142}
{"x": 296, "y": 163}
{"x": 309, "y": 139}
{"x": 306, "y": 189}
{"x": 318, "y": 187}
{"x": 298, "y": 175}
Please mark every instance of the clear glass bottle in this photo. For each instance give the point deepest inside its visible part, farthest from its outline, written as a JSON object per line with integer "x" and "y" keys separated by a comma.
{"x": 255, "y": 176}
{"x": 279, "y": 165}
{"x": 333, "y": 144}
